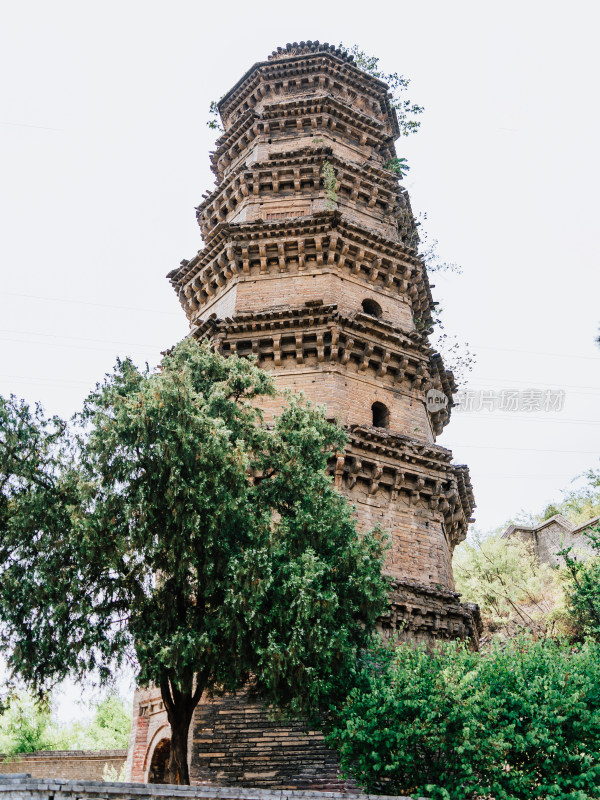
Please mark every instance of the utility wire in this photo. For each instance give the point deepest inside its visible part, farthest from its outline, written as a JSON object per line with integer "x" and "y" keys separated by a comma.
{"x": 90, "y": 303}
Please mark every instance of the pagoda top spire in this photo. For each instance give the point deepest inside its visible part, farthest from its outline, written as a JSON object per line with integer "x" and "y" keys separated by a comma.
{"x": 301, "y": 48}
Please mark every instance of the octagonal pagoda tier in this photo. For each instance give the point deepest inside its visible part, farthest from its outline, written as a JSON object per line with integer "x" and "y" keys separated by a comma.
{"x": 286, "y": 185}
{"x": 346, "y": 262}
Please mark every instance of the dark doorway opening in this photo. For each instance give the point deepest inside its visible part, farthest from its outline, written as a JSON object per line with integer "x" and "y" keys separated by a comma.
{"x": 160, "y": 761}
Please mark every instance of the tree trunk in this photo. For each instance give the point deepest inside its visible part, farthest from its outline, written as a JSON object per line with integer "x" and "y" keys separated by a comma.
{"x": 178, "y": 768}
{"x": 179, "y": 706}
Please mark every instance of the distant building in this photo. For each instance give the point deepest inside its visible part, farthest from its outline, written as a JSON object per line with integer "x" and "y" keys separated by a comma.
{"x": 553, "y": 535}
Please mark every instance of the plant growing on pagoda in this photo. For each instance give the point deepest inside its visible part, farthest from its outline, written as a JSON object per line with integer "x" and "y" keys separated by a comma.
{"x": 214, "y": 119}
{"x": 398, "y": 166}
{"x": 172, "y": 528}
{"x": 406, "y": 111}
{"x": 329, "y": 180}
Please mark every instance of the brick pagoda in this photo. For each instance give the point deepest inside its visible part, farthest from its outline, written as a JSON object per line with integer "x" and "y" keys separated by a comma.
{"x": 321, "y": 280}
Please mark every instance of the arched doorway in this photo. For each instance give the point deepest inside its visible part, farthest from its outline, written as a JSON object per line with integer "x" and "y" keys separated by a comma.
{"x": 160, "y": 759}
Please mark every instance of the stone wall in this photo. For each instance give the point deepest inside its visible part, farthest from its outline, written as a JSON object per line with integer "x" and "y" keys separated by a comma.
{"x": 86, "y": 765}
{"x": 24, "y": 787}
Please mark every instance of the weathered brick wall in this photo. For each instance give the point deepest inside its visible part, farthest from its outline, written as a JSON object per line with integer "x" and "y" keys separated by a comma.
{"x": 86, "y": 765}
{"x": 296, "y": 290}
{"x": 149, "y": 728}
{"x": 349, "y": 397}
{"x": 234, "y": 741}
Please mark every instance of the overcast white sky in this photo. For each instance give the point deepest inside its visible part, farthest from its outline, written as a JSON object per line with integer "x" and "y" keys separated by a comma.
{"x": 104, "y": 154}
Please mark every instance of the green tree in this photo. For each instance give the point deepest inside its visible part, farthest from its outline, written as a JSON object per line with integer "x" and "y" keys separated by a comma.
{"x": 27, "y": 726}
{"x": 178, "y": 530}
{"x": 579, "y": 505}
{"x": 108, "y": 729}
{"x": 519, "y": 722}
{"x": 505, "y": 579}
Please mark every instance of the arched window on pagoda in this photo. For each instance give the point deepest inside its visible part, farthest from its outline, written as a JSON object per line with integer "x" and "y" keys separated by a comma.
{"x": 381, "y": 415}
{"x": 371, "y": 308}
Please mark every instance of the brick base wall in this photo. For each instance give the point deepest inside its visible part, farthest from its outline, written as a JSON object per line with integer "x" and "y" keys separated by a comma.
{"x": 234, "y": 742}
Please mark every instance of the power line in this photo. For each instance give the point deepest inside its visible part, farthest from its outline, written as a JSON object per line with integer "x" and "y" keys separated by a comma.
{"x": 28, "y": 125}
{"x": 72, "y": 346}
{"x": 535, "y": 352}
{"x": 529, "y": 383}
{"x": 79, "y": 338}
{"x": 514, "y": 417}
{"x": 90, "y": 303}
{"x": 522, "y": 449}
{"x": 174, "y": 313}
{"x": 37, "y": 379}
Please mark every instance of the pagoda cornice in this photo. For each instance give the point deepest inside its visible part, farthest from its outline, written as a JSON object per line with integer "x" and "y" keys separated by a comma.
{"x": 308, "y": 69}
{"x": 317, "y": 314}
{"x": 322, "y": 113}
{"x": 390, "y": 464}
{"x": 297, "y": 174}
{"x": 430, "y": 613}
{"x": 320, "y": 333}
{"x": 322, "y": 241}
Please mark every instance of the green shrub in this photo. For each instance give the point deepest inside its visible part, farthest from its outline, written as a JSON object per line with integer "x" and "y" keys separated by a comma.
{"x": 582, "y": 578}
{"x": 521, "y": 721}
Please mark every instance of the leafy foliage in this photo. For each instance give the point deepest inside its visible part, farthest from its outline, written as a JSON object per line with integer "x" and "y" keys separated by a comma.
{"x": 179, "y": 532}
{"x": 513, "y": 590}
{"x": 583, "y": 586}
{"x": 581, "y": 504}
{"x": 214, "y": 120}
{"x": 457, "y": 355}
{"x": 108, "y": 730}
{"x": 27, "y": 726}
{"x": 111, "y": 775}
{"x": 397, "y": 166}
{"x": 518, "y": 722}
{"x": 329, "y": 181}
{"x": 406, "y": 111}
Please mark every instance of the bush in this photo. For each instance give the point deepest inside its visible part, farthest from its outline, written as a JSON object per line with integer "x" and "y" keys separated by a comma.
{"x": 521, "y": 721}
{"x": 582, "y": 578}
